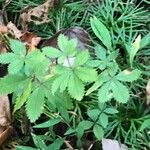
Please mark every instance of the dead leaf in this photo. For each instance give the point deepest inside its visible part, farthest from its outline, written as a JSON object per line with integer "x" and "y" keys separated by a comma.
{"x": 3, "y": 47}
{"x": 3, "y": 29}
{"x": 5, "y": 134}
{"x": 13, "y": 30}
{"x": 148, "y": 92}
{"x": 40, "y": 13}
{"x": 31, "y": 40}
{"x": 5, "y": 119}
{"x": 109, "y": 144}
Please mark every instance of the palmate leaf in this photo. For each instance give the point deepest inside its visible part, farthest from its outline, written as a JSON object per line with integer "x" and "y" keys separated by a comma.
{"x": 101, "y": 32}
{"x": 120, "y": 91}
{"x": 86, "y": 74}
{"x": 35, "y": 104}
{"x": 128, "y": 76}
{"x": 17, "y": 47}
{"x": 98, "y": 131}
{"x": 75, "y": 87}
{"x": 10, "y": 83}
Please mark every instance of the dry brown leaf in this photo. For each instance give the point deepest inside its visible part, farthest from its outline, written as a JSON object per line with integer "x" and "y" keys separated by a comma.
{"x": 5, "y": 119}
{"x": 3, "y": 47}
{"x": 31, "y": 40}
{"x": 3, "y": 29}
{"x": 13, "y": 30}
{"x": 5, "y": 134}
{"x": 148, "y": 92}
{"x": 40, "y": 13}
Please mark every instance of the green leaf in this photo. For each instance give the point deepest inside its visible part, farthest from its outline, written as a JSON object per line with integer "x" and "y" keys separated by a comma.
{"x": 10, "y": 83}
{"x": 62, "y": 42}
{"x": 23, "y": 98}
{"x": 15, "y": 66}
{"x": 93, "y": 63}
{"x": 82, "y": 126}
{"x": 101, "y": 32}
{"x": 110, "y": 111}
{"x": 128, "y": 76}
{"x": 134, "y": 49}
{"x": 103, "y": 92}
{"x": 120, "y": 92}
{"x": 25, "y": 148}
{"x": 7, "y": 58}
{"x": 82, "y": 58}
{"x": 145, "y": 41}
{"x": 103, "y": 77}
{"x": 51, "y": 52}
{"x": 112, "y": 56}
{"x": 98, "y": 132}
{"x": 56, "y": 145}
{"x": 35, "y": 104}
{"x": 17, "y": 47}
{"x": 103, "y": 119}
{"x": 145, "y": 124}
{"x": 48, "y": 123}
{"x": 86, "y": 74}
{"x": 93, "y": 113}
{"x": 61, "y": 82}
{"x": 75, "y": 87}
{"x": 39, "y": 142}
{"x": 100, "y": 52}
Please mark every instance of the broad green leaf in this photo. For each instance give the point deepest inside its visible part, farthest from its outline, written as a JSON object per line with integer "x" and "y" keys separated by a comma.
{"x": 111, "y": 111}
{"x": 128, "y": 76}
{"x": 103, "y": 119}
{"x": 101, "y": 32}
{"x": 17, "y": 47}
{"x": 35, "y": 104}
{"x": 98, "y": 132}
{"x": 104, "y": 92}
{"x": 120, "y": 92}
{"x": 15, "y": 66}
{"x": 56, "y": 145}
{"x": 7, "y": 58}
{"x": 75, "y": 87}
{"x": 112, "y": 68}
{"x": 100, "y": 52}
{"x": 86, "y": 74}
{"x": 10, "y": 83}
{"x": 39, "y": 142}
{"x": 145, "y": 124}
{"x": 23, "y": 98}
{"x": 93, "y": 113}
{"x": 103, "y": 77}
{"x": 69, "y": 131}
{"x": 134, "y": 49}
{"x": 145, "y": 41}
{"x": 51, "y": 52}
{"x": 81, "y": 58}
{"x": 71, "y": 47}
